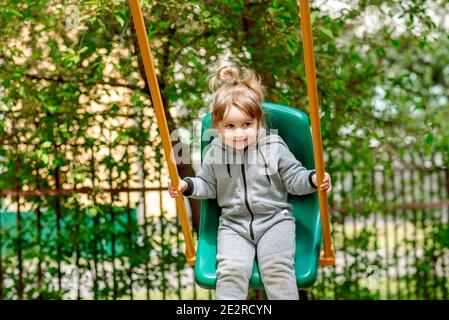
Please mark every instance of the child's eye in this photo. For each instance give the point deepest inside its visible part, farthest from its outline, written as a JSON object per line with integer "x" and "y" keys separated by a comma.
{"x": 247, "y": 124}
{"x": 229, "y": 126}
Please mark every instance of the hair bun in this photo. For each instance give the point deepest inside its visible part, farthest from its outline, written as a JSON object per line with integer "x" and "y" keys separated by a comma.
{"x": 235, "y": 85}
{"x": 228, "y": 74}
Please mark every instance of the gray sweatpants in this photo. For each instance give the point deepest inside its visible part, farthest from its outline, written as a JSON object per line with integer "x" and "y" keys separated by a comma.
{"x": 275, "y": 251}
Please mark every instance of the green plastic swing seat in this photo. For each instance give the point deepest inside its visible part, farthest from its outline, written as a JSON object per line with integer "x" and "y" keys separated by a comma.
{"x": 294, "y": 128}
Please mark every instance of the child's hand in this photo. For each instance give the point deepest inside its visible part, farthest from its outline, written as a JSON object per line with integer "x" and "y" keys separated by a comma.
{"x": 326, "y": 185}
{"x": 182, "y": 187}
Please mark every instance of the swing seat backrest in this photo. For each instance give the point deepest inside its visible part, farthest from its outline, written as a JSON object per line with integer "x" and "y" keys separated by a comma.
{"x": 294, "y": 128}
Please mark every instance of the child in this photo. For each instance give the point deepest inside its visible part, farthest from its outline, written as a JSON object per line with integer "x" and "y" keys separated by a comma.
{"x": 250, "y": 173}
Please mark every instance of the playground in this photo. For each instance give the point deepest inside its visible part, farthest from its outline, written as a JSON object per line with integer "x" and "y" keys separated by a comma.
{"x": 103, "y": 103}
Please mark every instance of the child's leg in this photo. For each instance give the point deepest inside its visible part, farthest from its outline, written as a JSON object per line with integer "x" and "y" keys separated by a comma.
{"x": 235, "y": 257}
{"x": 276, "y": 258}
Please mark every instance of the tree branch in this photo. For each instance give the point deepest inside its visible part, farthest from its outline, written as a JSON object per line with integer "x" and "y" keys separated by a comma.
{"x": 60, "y": 79}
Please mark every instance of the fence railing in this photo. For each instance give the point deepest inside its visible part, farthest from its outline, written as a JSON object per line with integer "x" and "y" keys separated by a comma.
{"x": 396, "y": 245}
{"x": 392, "y": 241}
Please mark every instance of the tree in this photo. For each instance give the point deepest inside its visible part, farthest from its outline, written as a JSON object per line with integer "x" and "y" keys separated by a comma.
{"x": 382, "y": 89}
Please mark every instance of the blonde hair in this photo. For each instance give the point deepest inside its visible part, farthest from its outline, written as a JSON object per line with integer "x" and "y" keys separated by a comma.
{"x": 239, "y": 88}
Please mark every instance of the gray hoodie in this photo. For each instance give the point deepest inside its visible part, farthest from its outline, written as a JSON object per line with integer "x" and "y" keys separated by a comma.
{"x": 251, "y": 185}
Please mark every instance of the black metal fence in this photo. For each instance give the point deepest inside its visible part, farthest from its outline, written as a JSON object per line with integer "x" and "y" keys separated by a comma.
{"x": 391, "y": 241}
{"x": 390, "y": 231}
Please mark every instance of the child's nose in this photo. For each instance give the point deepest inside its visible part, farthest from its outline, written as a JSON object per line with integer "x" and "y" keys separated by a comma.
{"x": 239, "y": 133}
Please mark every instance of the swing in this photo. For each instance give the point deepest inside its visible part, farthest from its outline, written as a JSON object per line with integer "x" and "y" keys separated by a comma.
{"x": 310, "y": 211}
{"x": 294, "y": 128}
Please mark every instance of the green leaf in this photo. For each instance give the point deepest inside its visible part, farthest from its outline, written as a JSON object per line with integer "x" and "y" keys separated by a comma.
{"x": 313, "y": 16}
{"x": 429, "y": 138}
{"x": 46, "y": 144}
{"x": 120, "y": 20}
{"x": 291, "y": 46}
{"x": 326, "y": 32}
{"x": 15, "y": 12}
{"x": 272, "y": 11}
{"x": 395, "y": 42}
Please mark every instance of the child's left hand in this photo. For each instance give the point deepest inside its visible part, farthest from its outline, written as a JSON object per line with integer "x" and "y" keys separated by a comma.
{"x": 326, "y": 185}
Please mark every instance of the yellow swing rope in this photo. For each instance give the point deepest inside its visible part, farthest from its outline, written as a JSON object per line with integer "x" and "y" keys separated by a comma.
{"x": 162, "y": 124}
{"x": 327, "y": 256}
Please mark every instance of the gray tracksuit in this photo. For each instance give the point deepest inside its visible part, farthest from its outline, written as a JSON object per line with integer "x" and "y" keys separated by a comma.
{"x": 251, "y": 186}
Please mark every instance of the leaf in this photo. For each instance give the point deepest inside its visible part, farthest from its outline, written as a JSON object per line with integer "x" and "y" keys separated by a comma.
{"x": 291, "y": 46}
{"x": 120, "y": 20}
{"x": 46, "y": 144}
{"x": 313, "y": 16}
{"x": 326, "y": 32}
{"x": 395, "y": 42}
{"x": 15, "y": 12}
{"x": 429, "y": 138}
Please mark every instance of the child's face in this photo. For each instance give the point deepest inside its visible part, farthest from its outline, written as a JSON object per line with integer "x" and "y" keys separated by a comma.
{"x": 237, "y": 129}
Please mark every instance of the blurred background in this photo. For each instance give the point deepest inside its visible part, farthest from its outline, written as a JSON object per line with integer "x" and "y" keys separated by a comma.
{"x": 84, "y": 209}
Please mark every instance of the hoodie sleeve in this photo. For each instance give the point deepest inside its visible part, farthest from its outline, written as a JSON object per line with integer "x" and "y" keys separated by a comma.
{"x": 297, "y": 179}
{"x": 204, "y": 185}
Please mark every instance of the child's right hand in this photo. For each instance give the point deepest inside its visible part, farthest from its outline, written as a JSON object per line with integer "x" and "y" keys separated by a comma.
{"x": 182, "y": 187}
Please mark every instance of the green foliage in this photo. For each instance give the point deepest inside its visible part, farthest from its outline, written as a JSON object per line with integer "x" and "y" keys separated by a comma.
{"x": 382, "y": 95}
{"x": 106, "y": 242}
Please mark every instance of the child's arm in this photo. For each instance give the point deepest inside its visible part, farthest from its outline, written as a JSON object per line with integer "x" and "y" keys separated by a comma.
{"x": 204, "y": 185}
{"x": 297, "y": 179}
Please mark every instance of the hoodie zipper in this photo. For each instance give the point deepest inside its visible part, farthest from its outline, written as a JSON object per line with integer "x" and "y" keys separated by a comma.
{"x": 246, "y": 200}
